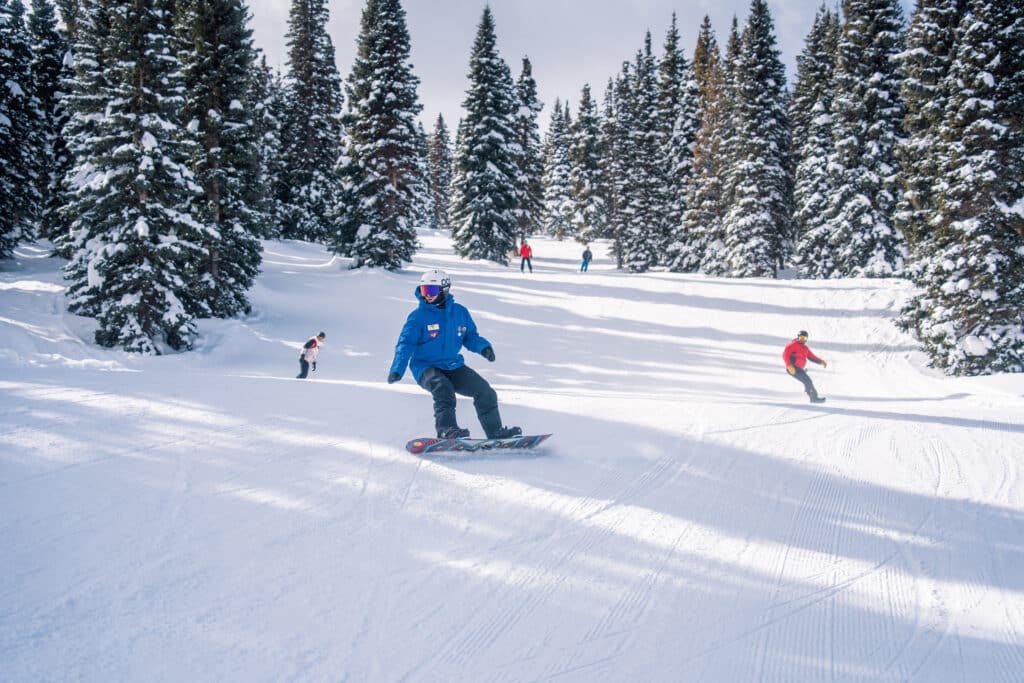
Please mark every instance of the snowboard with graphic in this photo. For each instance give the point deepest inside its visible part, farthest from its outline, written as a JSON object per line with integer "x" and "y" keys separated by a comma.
{"x": 431, "y": 445}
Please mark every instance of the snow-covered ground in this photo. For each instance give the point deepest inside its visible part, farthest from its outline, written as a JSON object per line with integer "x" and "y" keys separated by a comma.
{"x": 206, "y": 516}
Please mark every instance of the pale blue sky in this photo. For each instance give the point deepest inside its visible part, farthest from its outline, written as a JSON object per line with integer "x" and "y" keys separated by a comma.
{"x": 569, "y": 42}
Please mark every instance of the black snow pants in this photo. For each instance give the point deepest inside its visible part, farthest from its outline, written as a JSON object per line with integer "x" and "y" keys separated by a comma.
{"x": 805, "y": 379}
{"x": 303, "y": 368}
{"x": 464, "y": 381}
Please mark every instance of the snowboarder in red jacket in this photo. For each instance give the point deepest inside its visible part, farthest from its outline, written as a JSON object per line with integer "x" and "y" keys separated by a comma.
{"x": 526, "y": 253}
{"x": 796, "y": 355}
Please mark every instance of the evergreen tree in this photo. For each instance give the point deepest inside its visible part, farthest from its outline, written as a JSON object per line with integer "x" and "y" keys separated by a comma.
{"x": 135, "y": 244}
{"x": 52, "y": 161}
{"x": 558, "y": 200}
{"x": 702, "y": 219}
{"x": 484, "y": 208}
{"x": 644, "y": 196}
{"x": 423, "y": 193}
{"x": 383, "y": 147}
{"x": 265, "y": 98}
{"x": 531, "y": 162}
{"x": 585, "y": 176}
{"x": 756, "y": 224}
{"x": 20, "y": 137}
{"x": 440, "y": 157}
{"x": 866, "y": 113}
{"x": 215, "y": 47}
{"x": 810, "y": 114}
{"x": 615, "y": 153}
{"x": 677, "y": 116}
{"x": 968, "y": 313}
{"x": 923, "y": 67}
{"x": 311, "y": 130}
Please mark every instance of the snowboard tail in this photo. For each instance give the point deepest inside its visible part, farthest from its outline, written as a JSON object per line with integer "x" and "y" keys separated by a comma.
{"x": 432, "y": 445}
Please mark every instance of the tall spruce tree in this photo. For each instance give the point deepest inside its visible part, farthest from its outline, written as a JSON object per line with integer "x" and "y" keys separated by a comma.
{"x": 810, "y": 114}
{"x": 423, "y": 193}
{"x": 615, "y": 155}
{"x": 52, "y": 161}
{"x": 531, "y": 159}
{"x": 866, "y": 115}
{"x": 376, "y": 225}
{"x": 677, "y": 117}
{"x": 586, "y": 178}
{"x": 644, "y": 197}
{"x": 440, "y": 158}
{"x": 969, "y": 313}
{"x": 20, "y": 130}
{"x": 702, "y": 219}
{"x": 265, "y": 97}
{"x": 217, "y": 55}
{"x": 558, "y": 200}
{"x": 312, "y": 129}
{"x": 923, "y": 67}
{"x": 484, "y": 207}
{"x": 135, "y": 246}
{"x": 757, "y": 223}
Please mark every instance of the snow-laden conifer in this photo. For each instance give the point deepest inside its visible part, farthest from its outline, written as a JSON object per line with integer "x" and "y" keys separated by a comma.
{"x": 440, "y": 159}
{"x": 969, "y": 313}
{"x": 586, "y": 178}
{"x": 529, "y": 183}
{"x": 558, "y": 200}
{"x": 375, "y": 224}
{"x": 265, "y": 97}
{"x": 484, "y": 207}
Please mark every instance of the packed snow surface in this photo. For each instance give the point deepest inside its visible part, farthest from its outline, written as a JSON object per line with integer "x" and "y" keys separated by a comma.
{"x": 206, "y": 516}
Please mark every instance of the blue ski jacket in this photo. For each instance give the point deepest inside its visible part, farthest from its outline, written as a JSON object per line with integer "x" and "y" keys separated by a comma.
{"x": 433, "y": 337}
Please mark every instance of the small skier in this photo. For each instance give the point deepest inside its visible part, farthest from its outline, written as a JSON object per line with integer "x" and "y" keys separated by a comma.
{"x": 587, "y": 258}
{"x": 796, "y": 355}
{"x": 430, "y": 342}
{"x": 526, "y": 254}
{"x": 310, "y": 350}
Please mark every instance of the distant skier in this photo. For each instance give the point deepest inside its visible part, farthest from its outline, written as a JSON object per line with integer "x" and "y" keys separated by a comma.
{"x": 796, "y": 355}
{"x": 310, "y": 350}
{"x": 587, "y": 258}
{"x": 430, "y": 343}
{"x": 526, "y": 254}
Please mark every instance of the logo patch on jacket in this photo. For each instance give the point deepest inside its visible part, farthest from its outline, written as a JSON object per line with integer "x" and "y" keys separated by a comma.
{"x": 462, "y": 330}
{"x": 433, "y": 330}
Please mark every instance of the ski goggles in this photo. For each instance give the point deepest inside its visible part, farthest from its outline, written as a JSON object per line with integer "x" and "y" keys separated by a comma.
{"x": 430, "y": 290}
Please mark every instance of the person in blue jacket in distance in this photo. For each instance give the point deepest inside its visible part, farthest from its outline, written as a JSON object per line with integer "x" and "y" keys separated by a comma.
{"x": 430, "y": 344}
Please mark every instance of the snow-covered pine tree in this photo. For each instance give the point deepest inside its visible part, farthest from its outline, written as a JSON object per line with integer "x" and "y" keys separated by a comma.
{"x": 866, "y": 116}
{"x": 20, "y": 130}
{"x": 375, "y": 224}
{"x": 558, "y": 200}
{"x": 969, "y": 313}
{"x": 923, "y": 66}
{"x": 586, "y": 179}
{"x": 423, "y": 194}
{"x": 265, "y": 98}
{"x": 810, "y": 114}
{"x": 614, "y": 155}
{"x": 702, "y": 219}
{"x": 677, "y": 116}
{"x": 311, "y": 131}
{"x": 531, "y": 158}
{"x": 52, "y": 160}
{"x": 484, "y": 205}
{"x": 135, "y": 244}
{"x": 215, "y": 47}
{"x": 440, "y": 158}
{"x": 644, "y": 196}
{"x": 757, "y": 222}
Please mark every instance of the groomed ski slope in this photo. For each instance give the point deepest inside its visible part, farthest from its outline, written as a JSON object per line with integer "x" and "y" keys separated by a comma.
{"x": 205, "y": 516}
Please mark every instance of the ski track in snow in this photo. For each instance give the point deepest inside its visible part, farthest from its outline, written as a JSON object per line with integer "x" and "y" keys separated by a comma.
{"x": 205, "y": 516}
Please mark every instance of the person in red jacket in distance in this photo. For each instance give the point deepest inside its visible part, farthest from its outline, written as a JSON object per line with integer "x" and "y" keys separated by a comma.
{"x": 526, "y": 253}
{"x": 796, "y": 355}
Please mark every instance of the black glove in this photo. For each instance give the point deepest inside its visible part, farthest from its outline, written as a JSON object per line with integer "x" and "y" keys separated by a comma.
{"x": 393, "y": 377}
{"x": 314, "y": 366}
{"x": 488, "y": 353}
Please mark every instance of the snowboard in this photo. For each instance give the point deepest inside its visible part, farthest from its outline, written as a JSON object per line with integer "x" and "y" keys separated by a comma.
{"x": 432, "y": 445}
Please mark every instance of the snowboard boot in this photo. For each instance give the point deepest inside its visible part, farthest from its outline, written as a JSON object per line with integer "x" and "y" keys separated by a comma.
{"x": 453, "y": 433}
{"x": 817, "y": 399}
{"x": 507, "y": 433}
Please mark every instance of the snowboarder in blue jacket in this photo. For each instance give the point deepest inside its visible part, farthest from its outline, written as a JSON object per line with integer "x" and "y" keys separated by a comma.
{"x": 430, "y": 344}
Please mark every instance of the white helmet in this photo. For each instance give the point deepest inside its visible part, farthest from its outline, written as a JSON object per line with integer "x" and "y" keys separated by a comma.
{"x": 435, "y": 278}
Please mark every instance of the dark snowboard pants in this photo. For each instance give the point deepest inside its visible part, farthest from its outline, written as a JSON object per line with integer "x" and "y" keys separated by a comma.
{"x": 526, "y": 262}
{"x": 464, "y": 381}
{"x": 805, "y": 379}
{"x": 303, "y": 368}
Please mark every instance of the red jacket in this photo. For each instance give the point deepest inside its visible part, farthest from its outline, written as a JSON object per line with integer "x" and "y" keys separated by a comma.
{"x": 798, "y": 354}
{"x": 526, "y": 251}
